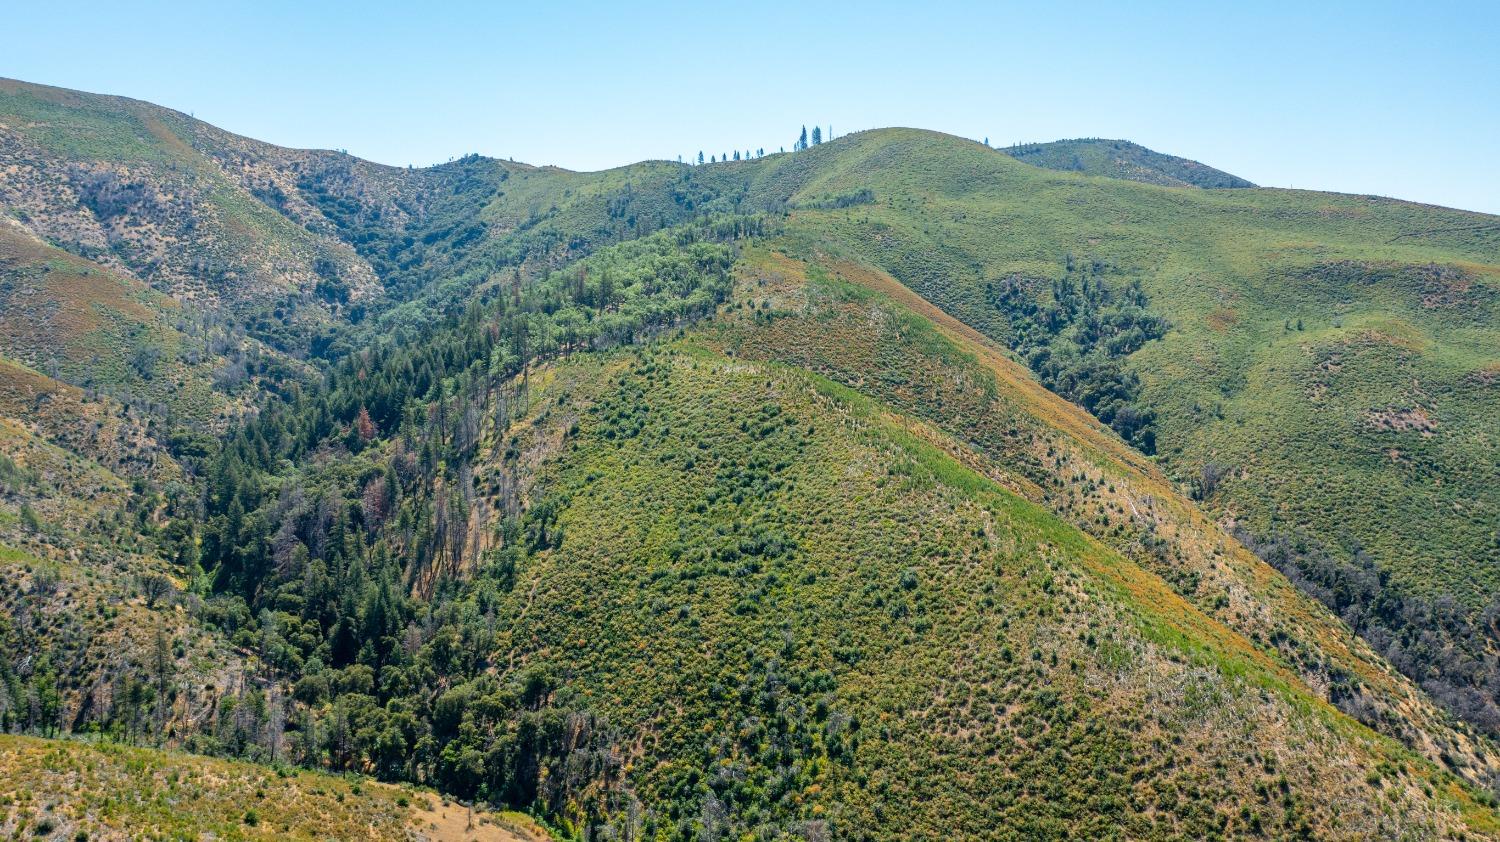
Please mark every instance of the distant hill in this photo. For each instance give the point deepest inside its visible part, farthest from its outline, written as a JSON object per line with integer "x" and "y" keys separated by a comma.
{"x": 1123, "y": 159}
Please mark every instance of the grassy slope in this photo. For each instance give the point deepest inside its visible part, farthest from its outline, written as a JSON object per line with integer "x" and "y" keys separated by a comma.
{"x": 754, "y": 557}
{"x": 67, "y": 789}
{"x": 1122, "y": 159}
{"x": 1380, "y": 349}
{"x": 862, "y": 328}
{"x": 1299, "y": 412}
{"x": 94, "y": 326}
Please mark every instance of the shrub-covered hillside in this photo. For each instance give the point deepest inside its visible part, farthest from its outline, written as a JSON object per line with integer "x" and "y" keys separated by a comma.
{"x": 890, "y": 487}
{"x": 1324, "y": 380}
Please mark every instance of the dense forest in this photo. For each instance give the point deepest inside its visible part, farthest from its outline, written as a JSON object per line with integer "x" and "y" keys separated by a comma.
{"x": 1077, "y": 338}
{"x": 331, "y": 540}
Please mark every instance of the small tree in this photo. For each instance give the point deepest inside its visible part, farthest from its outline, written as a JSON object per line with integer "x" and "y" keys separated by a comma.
{"x": 154, "y": 587}
{"x": 1209, "y": 478}
{"x": 30, "y": 519}
{"x": 817, "y": 136}
{"x": 700, "y": 156}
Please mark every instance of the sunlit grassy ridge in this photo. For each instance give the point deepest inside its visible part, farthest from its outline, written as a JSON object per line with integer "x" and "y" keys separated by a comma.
{"x": 1325, "y": 386}
{"x": 859, "y": 326}
{"x": 119, "y": 181}
{"x": 814, "y": 613}
{"x": 1403, "y": 295}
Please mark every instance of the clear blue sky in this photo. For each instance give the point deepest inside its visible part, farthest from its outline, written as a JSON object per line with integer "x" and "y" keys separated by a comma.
{"x": 1399, "y": 99}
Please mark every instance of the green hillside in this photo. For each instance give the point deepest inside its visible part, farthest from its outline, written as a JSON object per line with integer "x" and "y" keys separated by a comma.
{"x": 1122, "y": 159}
{"x": 736, "y": 597}
{"x": 890, "y": 487}
{"x": 1354, "y": 450}
{"x": 73, "y": 790}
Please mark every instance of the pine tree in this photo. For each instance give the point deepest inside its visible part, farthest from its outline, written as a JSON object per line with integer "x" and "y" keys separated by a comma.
{"x": 161, "y": 667}
{"x": 817, "y": 136}
{"x": 700, "y": 156}
{"x": 364, "y": 426}
{"x": 801, "y": 141}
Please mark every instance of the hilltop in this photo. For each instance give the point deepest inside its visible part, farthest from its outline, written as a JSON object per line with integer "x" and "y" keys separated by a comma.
{"x": 1123, "y": 159}
{"x": 893, "y": 485}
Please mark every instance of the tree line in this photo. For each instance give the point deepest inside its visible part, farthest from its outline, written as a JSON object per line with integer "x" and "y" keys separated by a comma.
{"x": 803, "y": 141}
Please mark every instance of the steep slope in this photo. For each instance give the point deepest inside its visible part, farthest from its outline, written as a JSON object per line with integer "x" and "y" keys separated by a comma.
{"x": 1122, "y": 159}
{"x": 1353, "y": 446}
{"x": 117, "y": 181}
{"x": 755, "y": 573}
{"x": 256, "y": 248}
{"x": 104, "y": 330}
{"x": 711, "y": 594}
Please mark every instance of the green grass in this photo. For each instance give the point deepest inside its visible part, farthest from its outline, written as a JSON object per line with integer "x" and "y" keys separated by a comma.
{"x": 66, "y": 121}
{"x": 950, "y": 378}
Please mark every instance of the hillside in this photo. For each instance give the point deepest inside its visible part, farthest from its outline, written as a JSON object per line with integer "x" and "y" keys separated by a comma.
{"x": 1122, "y": 159}
{"x": 1322, "y": 376}
{"x": 767, "y": 603}
{"x": 893, "y": 486}
{"x": 72, "y": 790}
